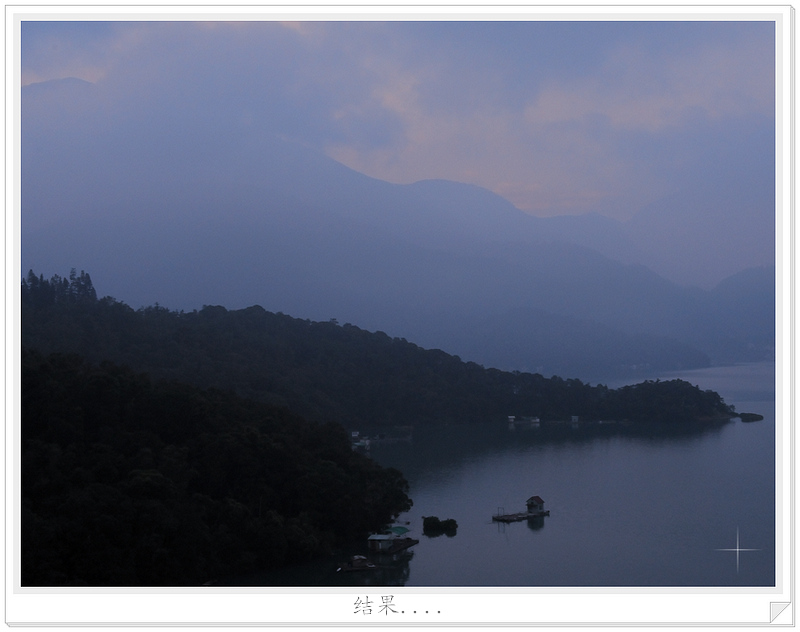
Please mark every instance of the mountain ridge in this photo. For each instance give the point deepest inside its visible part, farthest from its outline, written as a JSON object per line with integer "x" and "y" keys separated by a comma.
{"x": 239, "y": 216}
{"x": 322, "y": 371}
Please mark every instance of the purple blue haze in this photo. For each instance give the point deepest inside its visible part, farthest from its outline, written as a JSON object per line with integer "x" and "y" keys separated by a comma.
{"x": 564, "y": 117}
{"x": 613, "y": 177}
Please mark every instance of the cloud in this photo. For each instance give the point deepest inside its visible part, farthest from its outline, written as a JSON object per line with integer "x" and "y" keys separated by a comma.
{"x": 558, "y": 117}
{"x": 570, "y": 141}
{"x": 53, "y": 50}
{"x": 636, "y": 91}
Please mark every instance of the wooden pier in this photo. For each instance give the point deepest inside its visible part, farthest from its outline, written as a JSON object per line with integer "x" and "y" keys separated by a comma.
{"x": 516, "y": 517}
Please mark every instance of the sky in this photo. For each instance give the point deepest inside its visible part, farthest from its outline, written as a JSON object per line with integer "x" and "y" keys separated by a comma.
{"x": 557, "y": 117}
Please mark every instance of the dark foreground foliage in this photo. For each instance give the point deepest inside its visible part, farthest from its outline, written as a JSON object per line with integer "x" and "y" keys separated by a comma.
{"x": 323, "y": 370}
{"x": 130, "y": 482}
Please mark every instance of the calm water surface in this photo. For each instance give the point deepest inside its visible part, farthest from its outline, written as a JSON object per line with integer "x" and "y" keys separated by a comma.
{"x": 628, "y": 507}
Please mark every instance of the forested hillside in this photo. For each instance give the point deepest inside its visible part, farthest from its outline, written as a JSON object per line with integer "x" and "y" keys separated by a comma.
{"x": 129, "y": 482}
{"x": 322, "y": 370}
{"x": 172, "y": 448}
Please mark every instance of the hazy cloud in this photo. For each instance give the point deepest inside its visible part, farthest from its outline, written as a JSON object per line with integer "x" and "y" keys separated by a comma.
{"x": 635, "y": 91}
{"x": 564, "y": 117}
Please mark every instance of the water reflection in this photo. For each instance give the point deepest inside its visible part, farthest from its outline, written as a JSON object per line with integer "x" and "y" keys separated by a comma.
{"x": 389, "y": 570}
{"x": 397, "y": 570}
{"x": 443, "y": 447}
{"x": 465, "y": 472}
{"x": 536, "y": 523}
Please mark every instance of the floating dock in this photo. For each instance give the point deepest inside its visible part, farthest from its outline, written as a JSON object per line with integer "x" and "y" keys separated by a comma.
{"x": 516, "y": 517}
{"x": 389, "y": 543}
{"x": 535, "y": 506}
{"x": 401, "y": 544}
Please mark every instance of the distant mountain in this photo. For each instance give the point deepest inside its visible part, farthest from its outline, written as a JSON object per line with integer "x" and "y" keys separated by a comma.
{"x": 544, "y": 342}
{"x": 177, "y": 211}
{"x": 746, "y": 302}
{"x": 723, "y": 224}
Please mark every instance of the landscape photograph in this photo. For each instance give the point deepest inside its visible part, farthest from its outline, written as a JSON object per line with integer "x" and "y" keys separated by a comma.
{"x": 368, "y": 307}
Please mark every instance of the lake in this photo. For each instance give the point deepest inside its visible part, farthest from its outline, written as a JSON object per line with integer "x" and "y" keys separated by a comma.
{"x": 629, "y": 505}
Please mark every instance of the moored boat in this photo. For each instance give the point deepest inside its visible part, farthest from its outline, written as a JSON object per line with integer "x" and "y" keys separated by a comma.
{"x": 356, "y": 563}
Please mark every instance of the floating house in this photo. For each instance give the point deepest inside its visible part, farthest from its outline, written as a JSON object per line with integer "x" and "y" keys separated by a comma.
{"x": 381, "y": 542}
{"x": 395, "y": 540}
{"x": 535, "y": 505}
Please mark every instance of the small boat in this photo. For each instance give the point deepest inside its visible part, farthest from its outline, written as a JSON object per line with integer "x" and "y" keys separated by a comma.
{"x": 357, "y": 563}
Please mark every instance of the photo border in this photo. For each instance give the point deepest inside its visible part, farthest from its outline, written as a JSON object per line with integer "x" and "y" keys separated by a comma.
{"x": 463, "y": 607}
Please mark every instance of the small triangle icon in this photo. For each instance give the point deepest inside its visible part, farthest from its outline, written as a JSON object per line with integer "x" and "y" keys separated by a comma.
{"x": 775, "y": 608}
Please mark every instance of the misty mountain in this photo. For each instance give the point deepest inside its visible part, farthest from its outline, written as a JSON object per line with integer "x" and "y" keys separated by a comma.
{"x": 707, "y": 235}
{"x": 173, "y": 210}
{"x": 746, "y": 301}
